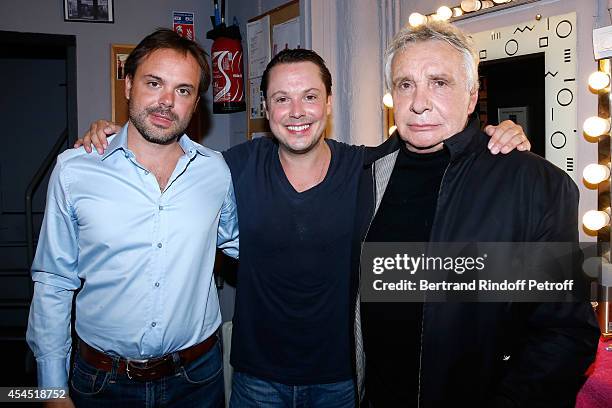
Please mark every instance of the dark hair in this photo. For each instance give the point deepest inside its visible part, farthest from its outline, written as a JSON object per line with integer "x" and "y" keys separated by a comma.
{"x": 290, "y": 56}
{"x": 164, "y": 38}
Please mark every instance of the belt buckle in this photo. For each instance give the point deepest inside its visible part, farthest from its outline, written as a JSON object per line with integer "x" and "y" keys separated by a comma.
{"x": 129, "y": 361}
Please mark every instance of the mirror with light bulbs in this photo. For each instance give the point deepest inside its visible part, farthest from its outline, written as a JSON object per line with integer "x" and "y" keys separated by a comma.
{"x": 596, "y": 175}
{"x": 539, "y": 57}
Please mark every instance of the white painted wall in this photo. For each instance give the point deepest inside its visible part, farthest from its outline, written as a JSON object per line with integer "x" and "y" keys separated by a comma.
{"x": 586, "y": 16}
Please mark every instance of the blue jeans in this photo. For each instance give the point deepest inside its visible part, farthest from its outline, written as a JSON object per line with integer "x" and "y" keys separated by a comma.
{"x": 249, "y": 391}
{"x": 198, "y": 384}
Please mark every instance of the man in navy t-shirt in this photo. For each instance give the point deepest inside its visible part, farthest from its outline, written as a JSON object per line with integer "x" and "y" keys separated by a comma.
{"x": 296, "y": 195}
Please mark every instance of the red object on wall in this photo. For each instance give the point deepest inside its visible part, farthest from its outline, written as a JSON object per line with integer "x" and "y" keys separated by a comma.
{"x": 228, "y": 83}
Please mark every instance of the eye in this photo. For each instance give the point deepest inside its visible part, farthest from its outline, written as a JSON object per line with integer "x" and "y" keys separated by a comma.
{"x": 439, "y": 83}
{"x": 281, "y": 99}
{"x": 184, "y": 91}
{"x": 153, "y": 84}
{"x": 311, "y": 97}
{"x": 404, "y": 85}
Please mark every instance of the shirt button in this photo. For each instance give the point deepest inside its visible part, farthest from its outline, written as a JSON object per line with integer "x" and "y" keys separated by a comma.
{"x": 157, "y": 284}
{"x": 161, "y": 207}
{"x": 146, "y": 172}
{"x": 159, "y": 244}
{"x": 153, "y": 324}
{"x": 127, "y": 155}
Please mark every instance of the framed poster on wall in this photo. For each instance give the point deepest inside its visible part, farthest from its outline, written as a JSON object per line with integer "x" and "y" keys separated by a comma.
{"x": 90, "y": 11}
{"x": 119, "y": 108}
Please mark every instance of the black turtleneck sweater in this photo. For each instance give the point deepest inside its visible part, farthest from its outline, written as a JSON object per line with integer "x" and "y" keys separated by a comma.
{"x": 392, "y": 331}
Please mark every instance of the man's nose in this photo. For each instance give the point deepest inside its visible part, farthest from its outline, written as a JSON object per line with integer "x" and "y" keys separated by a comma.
{"x": 297, "y": 109}
{"x": 166, "y": 98}
{"x": 421, "y": 100}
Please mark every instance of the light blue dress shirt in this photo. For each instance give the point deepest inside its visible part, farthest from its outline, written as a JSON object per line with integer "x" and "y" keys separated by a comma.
{"x": 144, "y": 257}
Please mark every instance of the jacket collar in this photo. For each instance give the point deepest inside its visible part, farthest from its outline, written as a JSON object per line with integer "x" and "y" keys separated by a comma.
{"x": 465, "y": 140}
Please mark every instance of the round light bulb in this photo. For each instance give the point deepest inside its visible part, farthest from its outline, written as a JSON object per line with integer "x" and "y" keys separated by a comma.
{"x": 444, "y": 13}
{"x": 596, "y": 173}
{"x": 388, "y": 100}
{"x": 392, "y": 129}
{"x": 416, "y": 19}
{"x": 486, "y": 4}
{"x": 501, "y": 1}
{"x": 596, "y": 126}
{"x": 595, "y": 220}
{"x": 470, "y": 5}
{"x": 457, "y": 12}
{"x": 599, "y": 80}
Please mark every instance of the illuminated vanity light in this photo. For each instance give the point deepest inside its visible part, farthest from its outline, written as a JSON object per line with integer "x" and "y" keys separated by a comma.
{"x": 388, "y": 100}
{"x": 392, "y": 129}
{"x": 444, "y": 13}
{"x": 596, "y": 173}
{"x": 470, "y": 5}
{"x": 457, "y": 12}
{"x": 487, "y": 4}
{"x": 416, "y": 19}
{"x": 595, "y": 220}
{"x": 596, "y": 126}
{"x": 501, "y": 1}
{"x": 599, "y": 80}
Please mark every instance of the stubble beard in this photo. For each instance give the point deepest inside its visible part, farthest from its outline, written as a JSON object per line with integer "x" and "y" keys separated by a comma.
{"x": 155, "y": 134}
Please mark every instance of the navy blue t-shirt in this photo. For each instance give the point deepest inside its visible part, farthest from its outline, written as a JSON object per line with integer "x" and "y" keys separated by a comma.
{"x": 292, "y": 316}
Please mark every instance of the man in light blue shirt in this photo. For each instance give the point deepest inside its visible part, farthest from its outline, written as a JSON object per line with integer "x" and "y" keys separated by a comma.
{"x": 135, "y": 230}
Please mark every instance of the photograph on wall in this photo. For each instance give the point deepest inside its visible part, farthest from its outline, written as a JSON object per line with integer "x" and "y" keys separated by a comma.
{"x": 92, "y": 11}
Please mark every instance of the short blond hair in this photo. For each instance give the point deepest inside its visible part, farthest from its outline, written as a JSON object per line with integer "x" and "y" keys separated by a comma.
{"x": 436, "y": 31}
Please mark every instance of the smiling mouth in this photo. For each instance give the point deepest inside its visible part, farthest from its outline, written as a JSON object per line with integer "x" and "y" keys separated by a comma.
{"x": 298, "y": 128}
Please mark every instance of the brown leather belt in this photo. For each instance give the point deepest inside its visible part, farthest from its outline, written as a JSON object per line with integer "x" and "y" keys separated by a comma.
{"x": 145, "y": 370}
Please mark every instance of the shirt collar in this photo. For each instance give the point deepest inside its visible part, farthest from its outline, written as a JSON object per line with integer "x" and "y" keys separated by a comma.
{"x": 119, "y": 142}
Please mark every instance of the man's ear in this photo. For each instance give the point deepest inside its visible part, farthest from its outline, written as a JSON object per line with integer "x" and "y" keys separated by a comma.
{"x": 265, "y": 106}
{"x": 128, "y": 86}
{"x": 328, "y": 105}
{"x": 473, "y": 101}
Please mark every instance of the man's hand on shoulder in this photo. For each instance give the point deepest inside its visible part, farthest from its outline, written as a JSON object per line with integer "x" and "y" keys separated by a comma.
{"x": 97, "y": 134}
{"x": 506, "y": 137}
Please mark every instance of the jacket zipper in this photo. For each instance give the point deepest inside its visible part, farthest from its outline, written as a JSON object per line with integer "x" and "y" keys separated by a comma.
{"x": 423, "y": 309}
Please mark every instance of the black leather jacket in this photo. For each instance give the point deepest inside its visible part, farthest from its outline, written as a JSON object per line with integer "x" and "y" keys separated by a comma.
{"x": 494, "y": 354}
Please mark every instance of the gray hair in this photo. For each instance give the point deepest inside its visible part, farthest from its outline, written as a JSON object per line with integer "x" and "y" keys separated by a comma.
{"x": 436, "y": 31}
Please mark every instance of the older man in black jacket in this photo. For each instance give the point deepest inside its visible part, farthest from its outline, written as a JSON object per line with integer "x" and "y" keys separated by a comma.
{"x": 434, "y": 180}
